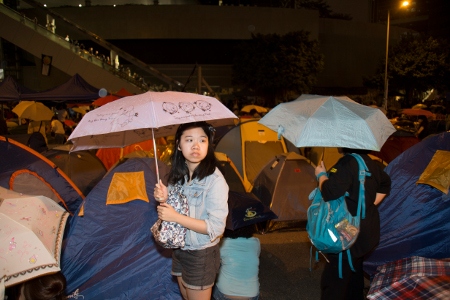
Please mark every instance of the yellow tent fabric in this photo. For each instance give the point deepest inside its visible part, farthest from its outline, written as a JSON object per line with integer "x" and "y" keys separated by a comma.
{"x": 126, "y": 187}
{"x": 437, "y": 173}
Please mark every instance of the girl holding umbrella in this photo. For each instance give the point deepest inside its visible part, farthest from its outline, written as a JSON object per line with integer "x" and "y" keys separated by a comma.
{"x": 194, "y": 169}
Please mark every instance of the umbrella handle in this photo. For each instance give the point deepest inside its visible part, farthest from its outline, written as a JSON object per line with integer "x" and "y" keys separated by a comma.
{"x": 155, "y": 155}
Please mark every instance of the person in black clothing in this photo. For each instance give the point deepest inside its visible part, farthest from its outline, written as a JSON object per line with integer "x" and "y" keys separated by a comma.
{"x": 343, "y": 177}
{"x": 3, "y": 126}
{"x": 422, "y": 129}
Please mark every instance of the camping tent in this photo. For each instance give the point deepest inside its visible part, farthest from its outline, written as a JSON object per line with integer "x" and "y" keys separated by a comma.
{"x": 109, "y": 252}
{"x": 329, "y": 155}
{"x": 26, "y": 171}
{"x": 414, "y": 217}
{"x": 82, "y": 167}
{"x": 250, "y": 146}
{"x": 231, "y": 174}
{"x": 110, "y": 156}
{"x": 396, "y": 145}
{"x": 284, "y": 185}
{"x": 75, "y": 89}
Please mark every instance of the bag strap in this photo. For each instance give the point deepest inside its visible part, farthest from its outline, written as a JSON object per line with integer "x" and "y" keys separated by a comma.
{"x": 363, "y": 172}
{"x": 349, "y": 257}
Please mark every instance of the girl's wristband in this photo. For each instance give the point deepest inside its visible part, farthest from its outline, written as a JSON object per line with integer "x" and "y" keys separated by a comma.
{"x": 321, "y": 174}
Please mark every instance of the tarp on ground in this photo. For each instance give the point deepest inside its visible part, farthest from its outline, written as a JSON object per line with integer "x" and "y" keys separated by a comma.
{"x": 109, "y": 252}
{"x": 10, "y": 90}
{"x": 414, "y": 217}
{"x": 26, "y": 171}
{"x": 76, "y": 89}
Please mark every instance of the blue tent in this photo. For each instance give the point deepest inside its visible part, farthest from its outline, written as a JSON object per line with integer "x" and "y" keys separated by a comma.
{"x": 414, "y": 217}
{"x": 110, "y": 253}
{"x": 26, "y": 171}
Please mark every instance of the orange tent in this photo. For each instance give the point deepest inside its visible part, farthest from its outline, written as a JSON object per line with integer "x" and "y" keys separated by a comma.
{"x": 110, "y": 156}
{"x": 112, "y": 97}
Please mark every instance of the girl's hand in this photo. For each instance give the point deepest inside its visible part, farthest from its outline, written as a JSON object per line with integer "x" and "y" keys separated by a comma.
{"x": 160, "y": 193}
{"x": 167, "y": 213}
{"x": 320, "y": 168}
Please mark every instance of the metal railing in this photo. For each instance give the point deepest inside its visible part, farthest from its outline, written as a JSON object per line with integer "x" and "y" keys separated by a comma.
{"x": 172, "y": 84}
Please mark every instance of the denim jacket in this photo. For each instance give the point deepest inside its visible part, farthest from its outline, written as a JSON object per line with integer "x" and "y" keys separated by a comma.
{"x": 208, "y": 200}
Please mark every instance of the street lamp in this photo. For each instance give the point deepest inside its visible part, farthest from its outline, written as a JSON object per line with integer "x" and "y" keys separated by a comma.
{"x": 388, "y": 25}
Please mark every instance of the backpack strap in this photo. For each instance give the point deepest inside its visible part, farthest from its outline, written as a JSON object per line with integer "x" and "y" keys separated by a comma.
{"x": 363, "y": 172}
{"x": 349, "y": 256}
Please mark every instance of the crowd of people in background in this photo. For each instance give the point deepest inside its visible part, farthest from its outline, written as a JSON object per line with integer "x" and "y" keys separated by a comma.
{"x": 41, "y": 133}
{"x": 118, "y": 69}
{"x": 91, "y": 54}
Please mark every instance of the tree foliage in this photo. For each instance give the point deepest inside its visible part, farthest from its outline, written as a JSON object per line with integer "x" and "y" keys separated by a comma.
{"x": 323, "y": 8}
{"x": 274, "y": 65}
{"x": 416, "y": 64}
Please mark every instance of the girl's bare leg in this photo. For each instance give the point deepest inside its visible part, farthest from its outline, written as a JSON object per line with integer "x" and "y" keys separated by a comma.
{"x": 182, "y": 288}
{"x": 199, "y": 294}
{"x": 189, "y": 294}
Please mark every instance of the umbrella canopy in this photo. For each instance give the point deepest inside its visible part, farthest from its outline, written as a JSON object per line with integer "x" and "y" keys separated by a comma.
{"x": 31, "y": 235}
{"x": 329, "y": 121}
{"x": 417, "y": 112}
{"x": 32, "y": 110}
{"x": 134, "y": 119}
{"x": 244, "y": 210}
{"x": 81, "y": 109}
{"x": 113, "y": 97}
{"x": 420, "y": 106}
{"x": 145, "y": 116}
{"x": 259, "y": 109}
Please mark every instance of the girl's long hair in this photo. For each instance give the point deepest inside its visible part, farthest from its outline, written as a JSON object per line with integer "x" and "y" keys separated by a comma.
{"x": 206, "y": 167}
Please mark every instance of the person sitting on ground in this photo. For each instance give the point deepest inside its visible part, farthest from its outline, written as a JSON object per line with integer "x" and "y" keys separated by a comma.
{"x": 45, "y": 287}
{"x": 238, "y": 274}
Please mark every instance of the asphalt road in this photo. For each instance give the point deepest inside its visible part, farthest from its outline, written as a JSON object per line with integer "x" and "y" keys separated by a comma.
{"x": 284, "y": 267}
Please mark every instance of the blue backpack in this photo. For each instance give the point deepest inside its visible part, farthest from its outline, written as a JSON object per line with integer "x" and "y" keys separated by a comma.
{"x": 331, "y": 227}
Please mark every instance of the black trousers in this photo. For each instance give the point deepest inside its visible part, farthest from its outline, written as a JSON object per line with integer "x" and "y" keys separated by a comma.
{"x": 350, "y": 287}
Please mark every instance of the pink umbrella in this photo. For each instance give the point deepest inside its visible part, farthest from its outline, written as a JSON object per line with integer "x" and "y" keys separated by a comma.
{"x": 31, "y": 236}
{"x": 137, "y": 118}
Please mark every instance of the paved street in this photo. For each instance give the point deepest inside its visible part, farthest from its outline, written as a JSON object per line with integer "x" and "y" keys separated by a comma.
{"x": 284, "y": 267}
